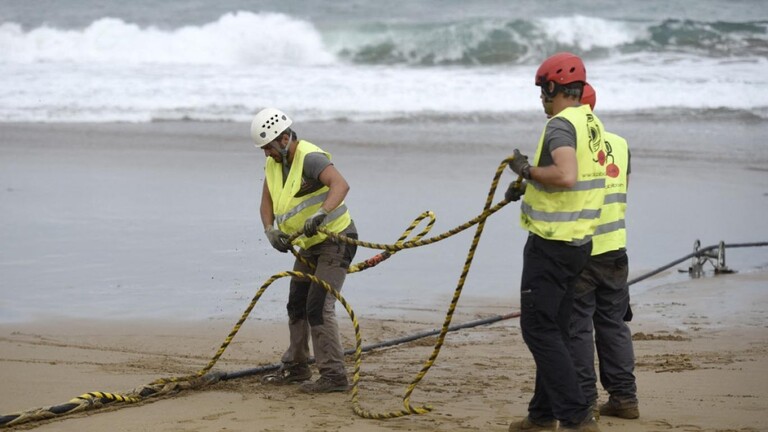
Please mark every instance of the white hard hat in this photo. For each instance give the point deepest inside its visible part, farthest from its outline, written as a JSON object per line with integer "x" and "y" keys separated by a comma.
{"x": 267, "y": 125}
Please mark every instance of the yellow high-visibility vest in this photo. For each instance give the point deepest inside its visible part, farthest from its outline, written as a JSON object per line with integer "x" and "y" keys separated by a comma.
{"x": 290, "y": 211}
{"x": 611, "y": 233}
{"x": 570, "y": 214}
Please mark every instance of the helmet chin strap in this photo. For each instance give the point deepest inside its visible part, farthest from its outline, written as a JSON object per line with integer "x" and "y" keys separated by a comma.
{"x": 284, "y": 152}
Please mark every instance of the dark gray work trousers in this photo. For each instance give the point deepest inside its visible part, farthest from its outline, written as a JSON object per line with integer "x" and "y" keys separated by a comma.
{"x": 312, "y": 310}
{"x": 550, "y": 270}
{"x": 601, "y": 302}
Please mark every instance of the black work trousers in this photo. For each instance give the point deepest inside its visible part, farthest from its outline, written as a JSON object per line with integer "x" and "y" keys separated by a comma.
{"x": 550, "y": 271}
{"x": 600, "y": 303}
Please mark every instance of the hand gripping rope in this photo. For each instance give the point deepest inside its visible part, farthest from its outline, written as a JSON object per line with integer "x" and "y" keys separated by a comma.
{"x": 166, "y": 386}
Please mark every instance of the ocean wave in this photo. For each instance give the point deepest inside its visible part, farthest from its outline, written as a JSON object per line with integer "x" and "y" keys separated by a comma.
{"x": 494, "y": 42}
{"x": 473, "y": 69}
{"x": 238, "y": 38}
{"x": 248, "y": 38}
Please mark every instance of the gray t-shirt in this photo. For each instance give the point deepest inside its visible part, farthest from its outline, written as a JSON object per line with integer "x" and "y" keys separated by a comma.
{"x": 314, "y": 164}
{"x": 559, "y": 133}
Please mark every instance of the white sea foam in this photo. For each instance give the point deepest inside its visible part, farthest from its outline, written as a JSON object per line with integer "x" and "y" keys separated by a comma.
{"x": 241, "y": 38}
{"x": 112, "y": 70}
{"x": 588, "y": 32}
{"x": 49, "y": 92}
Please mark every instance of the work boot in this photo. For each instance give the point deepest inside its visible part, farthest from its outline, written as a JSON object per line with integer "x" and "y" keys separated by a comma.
{"x": 617, "y": 409}
{"x": 588, "y": 425}
{"x": 288, "y": 375}
{"x": 527, "y": 424}
{"x": 325, "y": 385}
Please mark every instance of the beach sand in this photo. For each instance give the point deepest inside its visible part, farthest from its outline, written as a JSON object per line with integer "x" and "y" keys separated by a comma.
{"x": 130, "y": 251}
{"x": 695, "y": 372}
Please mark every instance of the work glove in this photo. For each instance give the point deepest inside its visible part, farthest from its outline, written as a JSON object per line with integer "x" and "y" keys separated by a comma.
{"x": 515, "y": 190}
{"x": 278, "y": 239}
{"x": 519, "y": 164}
{"x": 314, "y": 221}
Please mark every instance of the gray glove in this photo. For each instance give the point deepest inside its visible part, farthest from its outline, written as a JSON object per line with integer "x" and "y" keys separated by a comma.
{"x": 278, "y": 239}
{"x": 519, "y": 164}
{"x": 515, "y": 190}
{"x": 314, "y": 221}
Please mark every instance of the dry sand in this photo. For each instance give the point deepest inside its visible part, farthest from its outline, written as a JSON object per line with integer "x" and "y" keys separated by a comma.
{"x": 696, "y": 371}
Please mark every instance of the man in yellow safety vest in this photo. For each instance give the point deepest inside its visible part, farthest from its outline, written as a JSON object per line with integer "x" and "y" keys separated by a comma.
{"x": 560, "y": 210}
{"x": 601, "y": 298}
{"x": 303, "y": 192}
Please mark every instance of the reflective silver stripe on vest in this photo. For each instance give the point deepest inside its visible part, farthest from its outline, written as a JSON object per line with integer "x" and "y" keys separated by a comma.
{"x": 581, "y": 242}
{"x": 580, "y": 186}
{"x": 559, "y": 216}
{"x": 332, "y": 216}
{"x": 610, "y": 227}
{"x": 317, "y": 199}
{"x": 617, "y": 197}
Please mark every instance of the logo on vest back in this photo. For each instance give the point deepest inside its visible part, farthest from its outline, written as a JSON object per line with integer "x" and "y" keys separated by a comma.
{"x": 595, "y": 140}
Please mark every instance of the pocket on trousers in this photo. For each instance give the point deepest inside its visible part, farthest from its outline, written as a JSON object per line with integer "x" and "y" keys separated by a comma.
{"x": 527, "y": 299}
{"x": 628, "y": 315}
{"x": 349, "y": 251}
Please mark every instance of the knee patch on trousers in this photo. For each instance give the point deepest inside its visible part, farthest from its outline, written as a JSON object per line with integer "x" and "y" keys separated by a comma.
{"x": 315, "y": 305}
{"x": 297, "y": 300}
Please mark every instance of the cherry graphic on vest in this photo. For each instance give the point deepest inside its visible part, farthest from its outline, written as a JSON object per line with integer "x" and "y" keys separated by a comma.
{"x": 612, "y": 170}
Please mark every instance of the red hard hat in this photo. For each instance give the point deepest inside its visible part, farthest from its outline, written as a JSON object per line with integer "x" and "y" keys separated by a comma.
{"x": 588, "y": 96}
{"x": 562, "y": 68}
